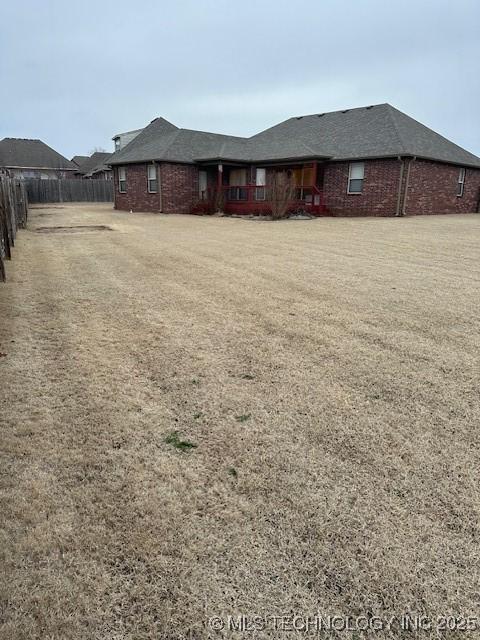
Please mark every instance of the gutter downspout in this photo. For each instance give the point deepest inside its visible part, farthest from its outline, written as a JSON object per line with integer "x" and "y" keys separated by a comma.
{"x": 407, "y": 181}
{"x": 158, "y": 168}
{"x": 397, "y": 212}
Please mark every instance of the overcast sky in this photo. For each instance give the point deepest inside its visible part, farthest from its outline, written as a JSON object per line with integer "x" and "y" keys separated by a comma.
{"x": 75, "y": 73}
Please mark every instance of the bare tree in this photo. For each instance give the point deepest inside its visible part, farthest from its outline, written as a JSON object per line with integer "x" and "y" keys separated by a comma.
{"x": 98, "y": 150}
{"x": 281, "y": 193}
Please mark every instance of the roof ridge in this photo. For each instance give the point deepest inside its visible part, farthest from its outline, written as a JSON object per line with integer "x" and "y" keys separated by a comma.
{"x": 439, "y": 135}
{"x": 346, "y": 110}
{"x": 309, "y": 148}
{"x": 390, "y": 110}
{"x": 174, "y": 135}
{"x": 213, "y": 133}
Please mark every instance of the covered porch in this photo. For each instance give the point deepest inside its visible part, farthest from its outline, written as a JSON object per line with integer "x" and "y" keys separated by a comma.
{"x": 247, "y": 189}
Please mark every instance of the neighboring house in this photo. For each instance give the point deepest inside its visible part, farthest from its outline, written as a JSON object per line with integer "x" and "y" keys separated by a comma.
{"x": 372, "y": 160}
{"x": 25, "y": 158}
{"x": 96, "y": 167}
{"x": 79, "y": 160}
{"x": 121, "y": 140}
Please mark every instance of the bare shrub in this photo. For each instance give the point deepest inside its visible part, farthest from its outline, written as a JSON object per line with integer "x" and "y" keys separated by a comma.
{"x": 281, "y": 193}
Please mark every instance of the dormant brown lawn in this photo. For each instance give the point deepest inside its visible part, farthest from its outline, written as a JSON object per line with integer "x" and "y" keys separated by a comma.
{"x": 327, "y": 372}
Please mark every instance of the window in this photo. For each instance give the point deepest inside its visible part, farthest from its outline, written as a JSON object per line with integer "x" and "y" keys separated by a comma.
{"x": 117, "y": 144}
{"x": 461, "y": 182}
{"x": 260, "y": 181}
{"x": 237, "y": 180}
{"x": 202, "y": 185}
{"x": 122, "y": 180}
{"x": 355, "y": 177}
{"x": 152, "y": 178}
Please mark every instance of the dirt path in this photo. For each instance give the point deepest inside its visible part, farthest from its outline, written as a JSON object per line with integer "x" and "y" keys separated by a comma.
{"x": 327, "y": 372}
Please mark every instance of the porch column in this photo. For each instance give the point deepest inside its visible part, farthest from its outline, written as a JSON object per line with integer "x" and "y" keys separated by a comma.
{"x": 219, "y": 177}
{"x": 315, "y": 165}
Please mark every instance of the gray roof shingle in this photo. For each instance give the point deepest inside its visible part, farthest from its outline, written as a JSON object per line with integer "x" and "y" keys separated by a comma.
{"x": 79, "y": 160}
{"x": 96, "y": 162}
{"x": 32, "y": 154}
{"x": 161, "y": 140}
{"x": 367, "y": 132}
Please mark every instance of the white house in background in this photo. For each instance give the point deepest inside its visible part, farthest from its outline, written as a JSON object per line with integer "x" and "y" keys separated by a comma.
{"x": 121, "y": 140}
{"x": 23, "y": 158}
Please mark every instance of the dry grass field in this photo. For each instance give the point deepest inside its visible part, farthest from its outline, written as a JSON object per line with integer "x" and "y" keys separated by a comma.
{"x": 210, "y": 416}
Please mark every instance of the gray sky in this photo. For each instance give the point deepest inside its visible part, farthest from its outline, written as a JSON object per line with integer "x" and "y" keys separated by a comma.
{"x": 75, "y": 73}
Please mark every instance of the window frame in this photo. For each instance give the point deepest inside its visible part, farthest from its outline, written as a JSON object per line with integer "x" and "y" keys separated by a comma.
{"x": 122, "y": 171}
{"x": 350, "y": 179}
{"x": 149, "y": 179}
{"x": 260, "y": 186}
{"x": 202, "y": 193}
{"x": 461, "y": 182}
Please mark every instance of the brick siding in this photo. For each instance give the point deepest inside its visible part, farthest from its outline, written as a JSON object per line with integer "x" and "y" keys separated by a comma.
{"x": 137, "y": 197}
{"x": 380, "y": 189}
{"x": 432, "y": 189}
{"x": 179, "y": 187}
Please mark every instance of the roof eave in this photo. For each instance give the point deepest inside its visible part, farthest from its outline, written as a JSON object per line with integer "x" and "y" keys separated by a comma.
{"x": 264, "y": 160}
{"x": 405, "y": 155}
{"x": 16, "y": 166}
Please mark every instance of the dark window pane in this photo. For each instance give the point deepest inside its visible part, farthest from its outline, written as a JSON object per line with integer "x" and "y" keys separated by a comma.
{"x": 123, "y": 186}
{"x": 152, "y": 186}
{"x": 355, "y": 186}
{"x": 260, "y": 193}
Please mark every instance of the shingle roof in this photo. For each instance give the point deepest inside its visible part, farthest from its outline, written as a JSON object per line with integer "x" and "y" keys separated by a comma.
{"x": 32, "y": 154}
{"x": 96, "y": 162}
{"x": 366, "y": 132}
{"x": 162, "y": 140}
{"x": 79, "y": 160}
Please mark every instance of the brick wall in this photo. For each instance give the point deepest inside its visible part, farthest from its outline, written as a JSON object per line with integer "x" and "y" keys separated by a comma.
{"x": 380, "y": 189}
{"x": 179, "y": 187}
{"x": 137, "y": 197}
{"x": 433, "y": 189}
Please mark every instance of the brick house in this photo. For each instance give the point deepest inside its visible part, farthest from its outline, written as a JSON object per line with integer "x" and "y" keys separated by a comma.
{"x": 372, "y": 160}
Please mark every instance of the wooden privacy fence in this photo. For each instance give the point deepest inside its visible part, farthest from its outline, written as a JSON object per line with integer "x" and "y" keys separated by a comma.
{"x": 69, "y": 190}
{"x": 13, "y": 215}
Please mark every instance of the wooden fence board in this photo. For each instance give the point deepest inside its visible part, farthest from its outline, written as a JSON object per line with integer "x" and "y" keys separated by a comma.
{"x": 42, "y": 191}
{"x": 13, "y": 215}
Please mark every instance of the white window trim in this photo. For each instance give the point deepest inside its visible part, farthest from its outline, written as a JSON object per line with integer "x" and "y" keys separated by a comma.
{"x": 461, "y": 181}
{"x": 355, "y": 193}
{"x": 150, "y": 179}
{"x": 120, "y": 180}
